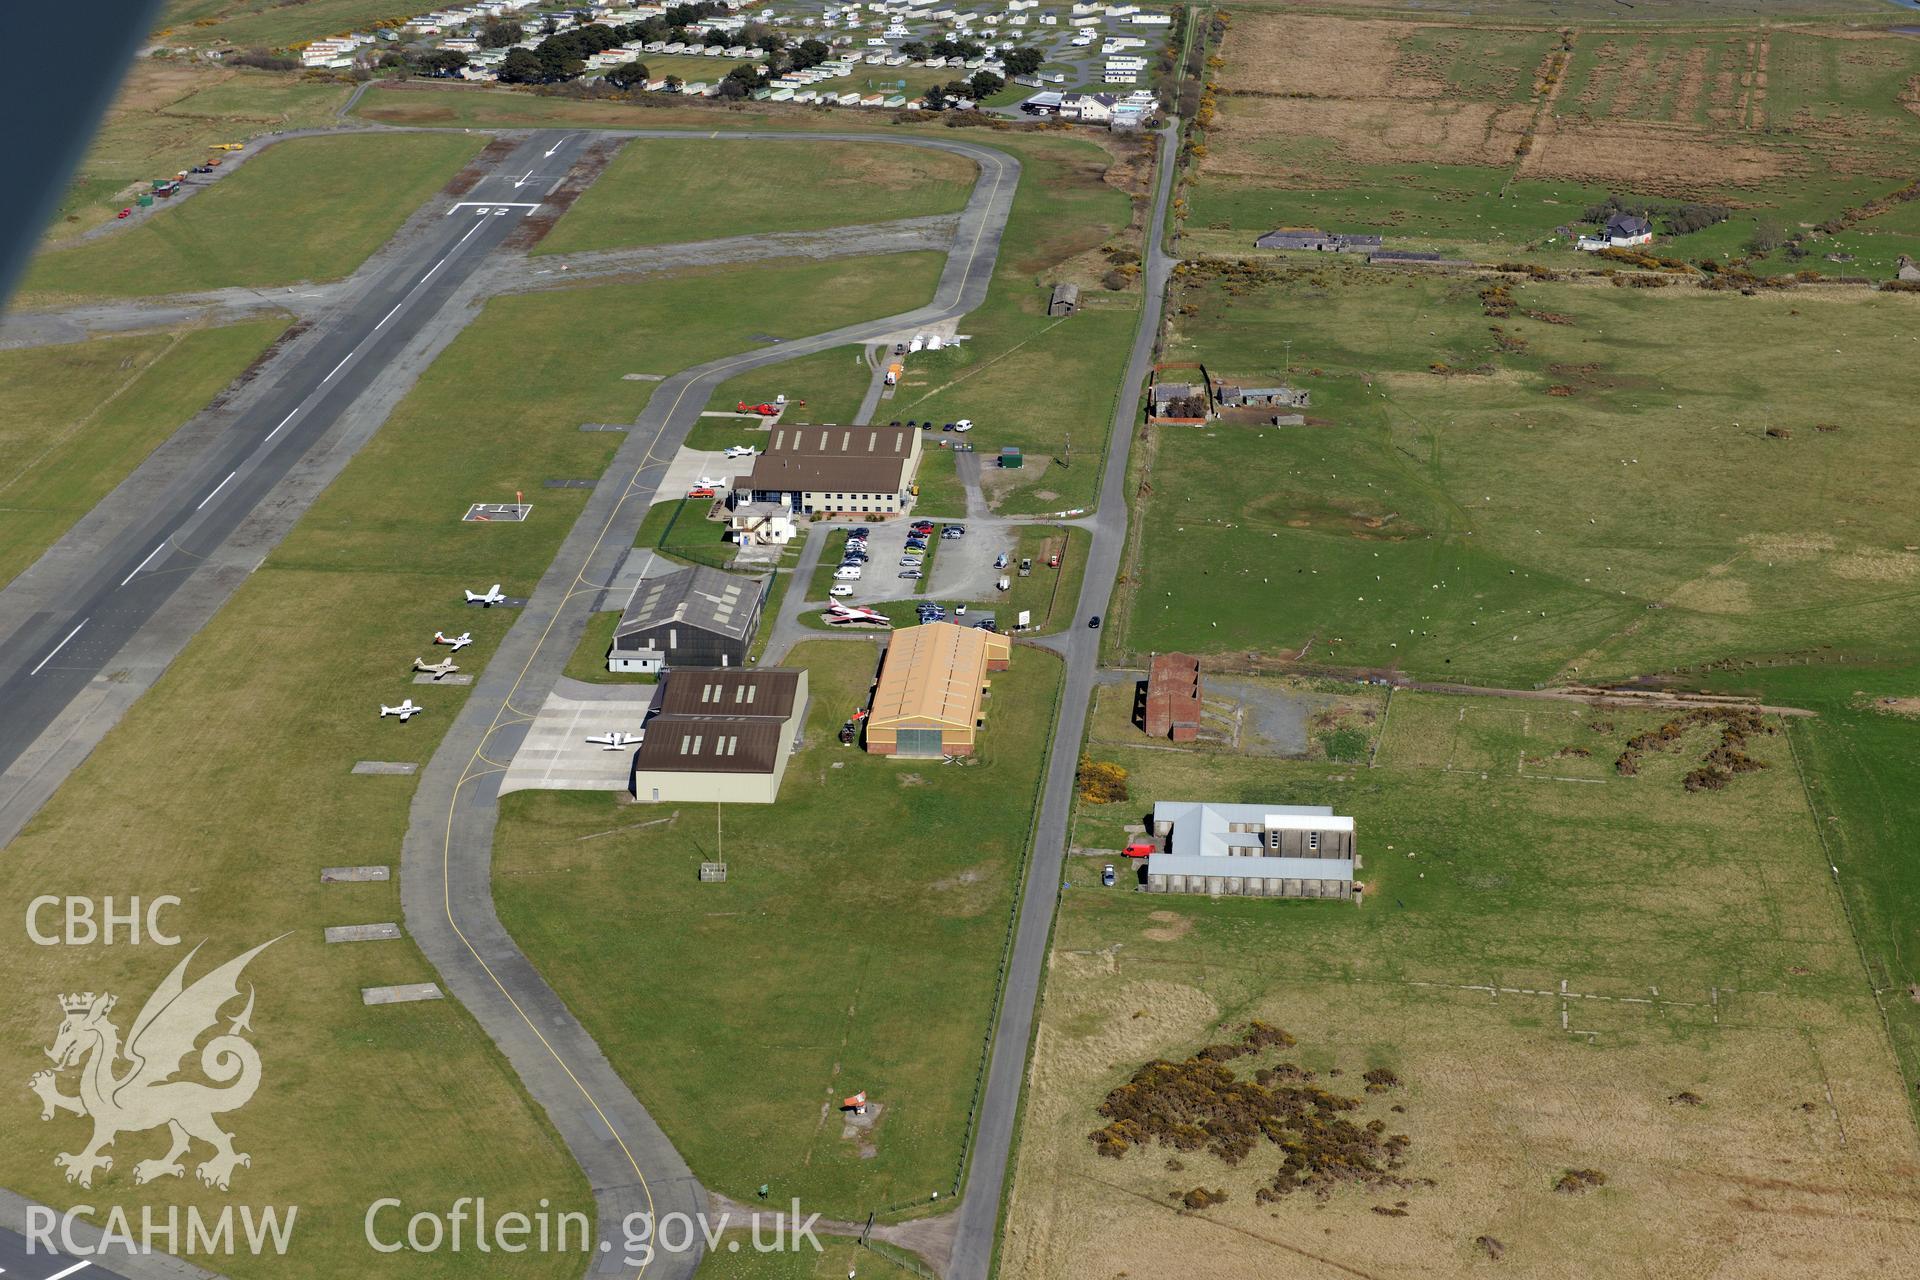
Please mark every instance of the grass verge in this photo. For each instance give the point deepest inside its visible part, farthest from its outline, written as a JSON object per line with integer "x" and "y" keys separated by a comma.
{"x": 76, "y": 419}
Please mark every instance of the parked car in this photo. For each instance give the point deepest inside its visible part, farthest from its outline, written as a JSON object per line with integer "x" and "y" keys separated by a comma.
{"x": 1000, "y": 561}
{"x": 1053, "y": 561}
{"x": 1107, "y": 876}
{"x": 861, "y": 532}
{"x": 124, "y": 213}
{"x": 959, "y": 611}
{"x": 965, "y": 424}
{"x": 908, "y": 562}
{"x": 912, "y": 575}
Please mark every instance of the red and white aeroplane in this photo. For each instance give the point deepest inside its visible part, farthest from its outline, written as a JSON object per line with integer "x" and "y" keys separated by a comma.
{"x": 458, "y": 642}
{"x": 839, "y": 614}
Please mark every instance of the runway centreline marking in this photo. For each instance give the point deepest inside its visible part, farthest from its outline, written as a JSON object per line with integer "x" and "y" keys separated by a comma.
{"x": 76, "y": 1267}
{"x": 337, "y": 368}
{"x": 143, "y": 564}
{"x": 390, "y": 315}
{"x": 283, "y": 422}
{"x": 57, "y": 648}
{"x": 216, "y": 489}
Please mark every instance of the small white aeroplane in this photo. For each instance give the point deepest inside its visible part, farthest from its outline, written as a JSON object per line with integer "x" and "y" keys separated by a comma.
{"x": 488, "y": 598}
{"x": 708, "y": 482}
{"x": 614, "y": 741}
{"x": 405, "y": 710}
{"x": 458, "y": 642}
{"x": 742, "y": 451}
{"x": 444, "y": 667}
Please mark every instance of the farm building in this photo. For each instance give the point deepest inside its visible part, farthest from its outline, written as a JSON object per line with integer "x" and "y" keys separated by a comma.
{"x": 1315, "y": 241}
{"x": 720, "y": 736}
{"x": 821, "y": 470}
{"x": 1260, "y": 851}
{"x": 1173, "y": 697}
{"x": 933, "y": 685}
{"x": 1180, "y": 401}
{"x": 1907, "y": 270}
{"x": 1065, "y": 300}
{"x": 1622, "y": 231}
{"x": 1233, "y": 396}
{"x": 695, "y": 617}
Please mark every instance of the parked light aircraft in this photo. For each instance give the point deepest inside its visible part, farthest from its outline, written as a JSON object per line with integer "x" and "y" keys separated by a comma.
{"x": 615, "y": 740}
{"x": 488, "y": 598}
{"x": 458, "y": 642}
{"x": 444, "y": 667}
{"x": 405, "y": 710}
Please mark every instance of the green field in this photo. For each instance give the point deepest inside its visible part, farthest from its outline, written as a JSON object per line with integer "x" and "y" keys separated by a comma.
{"x": 826, "y": 972}
{"x": 76, "y": 419}
{"x": 1025, "y": 378}
{"x": 1544, "y": 965}
{"x": 663, "y": 190}
{"x": 824, "y": 387}
{"x": 308, "y": 209}
{"x": 255, "y": 23}
{"x": 1490, "y": 142}
{"x": 168, "y": 114}
{"x": 1475, "y": 523}
{"x": 225, "y": 801}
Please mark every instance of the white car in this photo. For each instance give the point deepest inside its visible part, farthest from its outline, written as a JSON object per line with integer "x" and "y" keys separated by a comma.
{"x": 840, "y": 589}
{"x": 847, "y": 572}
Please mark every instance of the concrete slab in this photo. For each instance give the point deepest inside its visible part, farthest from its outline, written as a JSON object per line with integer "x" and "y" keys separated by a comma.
{"x": 400, "y": 995}
{"x": 399, "y": 768}
{"x": 569, "y": 484}
{"x": 604, "y": 426}
{"x": 639, "y": 564}
{"x": 424, "y": 677}
{"x": 362, "y": 932}
{"x": 690, "y": 465}
{"x": 555, "y": 754}
{"x": 353, "y": 875}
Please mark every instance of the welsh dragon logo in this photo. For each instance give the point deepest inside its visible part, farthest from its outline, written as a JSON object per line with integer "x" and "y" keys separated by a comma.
{"x": 143, "y": 1093}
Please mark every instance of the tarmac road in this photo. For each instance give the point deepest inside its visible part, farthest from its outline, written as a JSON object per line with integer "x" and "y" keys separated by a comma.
{"x": 445, "y": 880}
{"x": 60, "y": 651}
{"x": 978, "y": 1229}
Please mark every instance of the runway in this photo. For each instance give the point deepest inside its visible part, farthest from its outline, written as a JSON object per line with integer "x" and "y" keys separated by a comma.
{"x": 58, "y": 652}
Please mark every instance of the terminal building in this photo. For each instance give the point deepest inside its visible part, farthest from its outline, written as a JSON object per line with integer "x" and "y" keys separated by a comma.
{"x": 824, "y": 470}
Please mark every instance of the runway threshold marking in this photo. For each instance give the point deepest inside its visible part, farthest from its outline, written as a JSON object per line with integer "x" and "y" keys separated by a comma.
{"x": 216, "y": 489}
{"x": 143, "y": 564}
{"x": 57, "y": 648}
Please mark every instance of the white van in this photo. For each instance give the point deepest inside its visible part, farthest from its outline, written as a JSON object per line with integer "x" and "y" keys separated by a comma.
{"x": 847, "y": 572}
{"x": 840, "y": 589}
